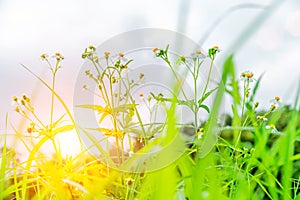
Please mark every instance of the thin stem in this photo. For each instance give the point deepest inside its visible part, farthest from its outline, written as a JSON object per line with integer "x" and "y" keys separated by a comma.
{"x": 52, "y": 98}
{"x": 176, "y": 77}
{"x": 196, "y": 108}
{"x": 208, "y": 78}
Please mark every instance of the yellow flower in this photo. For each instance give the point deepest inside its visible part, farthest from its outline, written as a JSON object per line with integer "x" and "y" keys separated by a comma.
{"x": 121, "y": 55}
{"x": 277, "y": 98}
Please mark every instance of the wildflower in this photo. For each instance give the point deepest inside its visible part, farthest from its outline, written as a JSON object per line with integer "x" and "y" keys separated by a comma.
{"x": 247, "y": 76}
{"x": 141, "y": 94}
{"x": 121, "y": 55}
{"x": 198, "y": 54}
{"x": 58, "y": 56}
{"x": 149, "y": 98}
{"x": 44, "y": 56}
{"x": 277, "y": 98}
{"x": 155, "y": 49}
{"x": 106, "y": 53}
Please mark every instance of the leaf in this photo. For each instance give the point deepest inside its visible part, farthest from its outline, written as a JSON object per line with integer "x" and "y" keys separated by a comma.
{"x": 206, "y": 95}
{"x": 248, "y": 106}
{"x": 205, "y": 107}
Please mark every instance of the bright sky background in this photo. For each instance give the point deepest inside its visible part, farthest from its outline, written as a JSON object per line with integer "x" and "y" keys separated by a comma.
{"x": 30, "y": 28}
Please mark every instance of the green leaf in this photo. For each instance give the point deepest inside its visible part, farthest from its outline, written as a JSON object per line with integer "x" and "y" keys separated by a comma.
{"x": 205, "y": 107}
{"x": 206, "y": 95}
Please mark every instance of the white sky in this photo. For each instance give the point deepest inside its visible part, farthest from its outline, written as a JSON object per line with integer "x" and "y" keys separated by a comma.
{"x": 29, "y": 28}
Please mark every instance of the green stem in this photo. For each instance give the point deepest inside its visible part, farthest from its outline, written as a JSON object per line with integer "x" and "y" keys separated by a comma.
{"x": 208, "y": 78}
